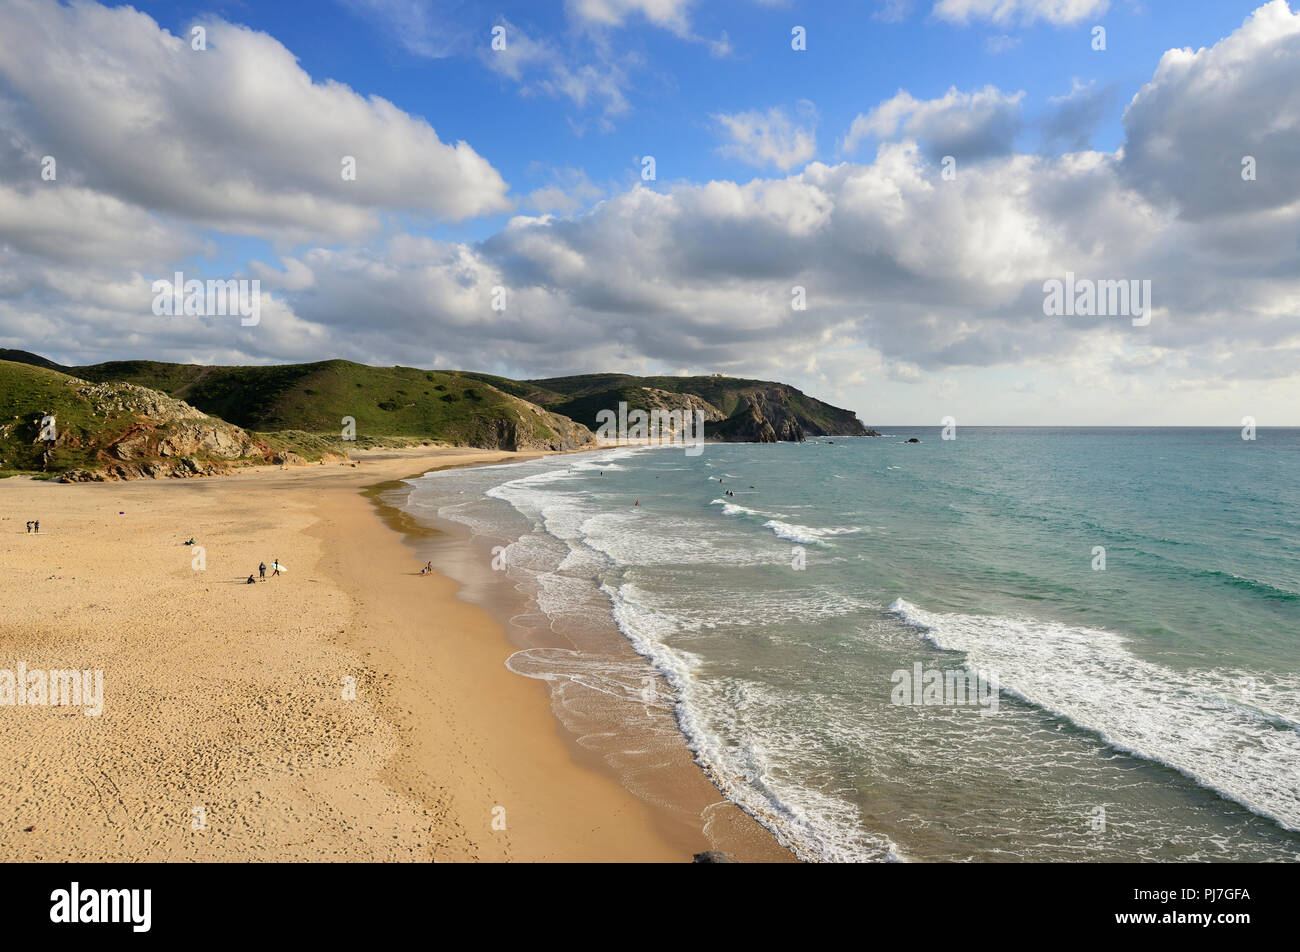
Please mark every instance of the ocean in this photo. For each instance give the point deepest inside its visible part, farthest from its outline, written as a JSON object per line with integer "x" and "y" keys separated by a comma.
{"x": 1124, "y": 605}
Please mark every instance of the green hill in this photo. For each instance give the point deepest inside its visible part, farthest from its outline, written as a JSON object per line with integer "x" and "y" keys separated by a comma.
{"x": 26, "y": 357}
{"x": 382, "y": 402}
{"x": 303, "y": 409}
{"x": 58, "y": 424}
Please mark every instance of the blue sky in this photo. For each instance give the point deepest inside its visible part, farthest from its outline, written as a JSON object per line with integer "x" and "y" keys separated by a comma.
{"x": 821, "y": 169}
{"x": 856, "y": 57}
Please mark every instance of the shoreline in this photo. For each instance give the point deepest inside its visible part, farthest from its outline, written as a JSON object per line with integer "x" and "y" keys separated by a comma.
{"x": 652, "y": 761}
{"x": 224, "y": 704}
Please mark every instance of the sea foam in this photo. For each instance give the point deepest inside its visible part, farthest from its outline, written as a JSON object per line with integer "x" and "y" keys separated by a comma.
{"x": 1183, "y": 719}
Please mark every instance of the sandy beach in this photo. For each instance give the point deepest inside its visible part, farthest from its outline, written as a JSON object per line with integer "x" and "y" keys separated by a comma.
{"x": 350, "y": 709}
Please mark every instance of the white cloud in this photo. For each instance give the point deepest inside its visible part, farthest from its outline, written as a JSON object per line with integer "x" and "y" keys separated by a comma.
{"x": 1188, "y": 129}
{"x": 236, "y": 136}
{"x": 71, "y": 224}
{"x": 669, "y": 14}
{"x": 568, "y": 190}
{"x": 1001, "y": 12}
{"x": 539, "y": 67}
{"x": 966, "y": 125}
{"x": 921, "y": 272}
{"x": 769, "y": 138}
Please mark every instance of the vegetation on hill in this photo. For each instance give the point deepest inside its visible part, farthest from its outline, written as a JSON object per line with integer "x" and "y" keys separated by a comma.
{"x": 382, "y": 402}
{"x": 56, "y": 423}
{"x": 34, "y": 360}
{"x": 151, "y": 410}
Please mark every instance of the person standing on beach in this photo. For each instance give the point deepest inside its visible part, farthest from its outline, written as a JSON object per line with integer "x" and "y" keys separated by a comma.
{"x": 36, "y": 526}
{"x": 29, "y": 527}
{"x": 275, "y": 567}
{"x": 261, "y": 571}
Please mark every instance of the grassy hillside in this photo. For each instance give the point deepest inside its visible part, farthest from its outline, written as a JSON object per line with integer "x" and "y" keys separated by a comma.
{"x": 120, "y": 427}
{"x": 29, "y": 392}
{"x": 384, "y": 402}
{"x": 300, "y": 408}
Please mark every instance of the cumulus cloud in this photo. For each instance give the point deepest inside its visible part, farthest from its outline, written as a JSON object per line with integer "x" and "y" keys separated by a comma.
{"x": 78, "y": 225}
{"x": 236, "y": 136}
{"x": 1188, "y": 130}
{"x": 924, "y": 273}
{"x": 566, "y": 191}
{"x": 771, "y": 138}
{"x": 970, "y": 126}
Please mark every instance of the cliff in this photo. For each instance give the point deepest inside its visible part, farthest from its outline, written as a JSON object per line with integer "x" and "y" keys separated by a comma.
{"x": 735, "y": 409}
{"x": 98, "y": 431}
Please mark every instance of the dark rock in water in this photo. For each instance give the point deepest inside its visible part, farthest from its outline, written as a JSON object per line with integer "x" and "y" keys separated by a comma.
{"x": 914, "y": 440}
{"x": 713, "y": 856}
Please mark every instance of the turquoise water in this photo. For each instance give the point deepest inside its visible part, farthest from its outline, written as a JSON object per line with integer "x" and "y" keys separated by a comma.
{"x": 1145, "y": 710}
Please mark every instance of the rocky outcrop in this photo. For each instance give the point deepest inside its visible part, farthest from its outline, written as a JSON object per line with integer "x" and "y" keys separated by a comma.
{"x": 656, "y": 399}
{"x": 535, "y": 429}
{"x": 735, "y": 409}
{"x": 185, "y": 438}
{"x": 163, "y": 437}
{"x": 151, "y": 469}
{"x": 770, "y": 416}
{"x": 764, "y": 416}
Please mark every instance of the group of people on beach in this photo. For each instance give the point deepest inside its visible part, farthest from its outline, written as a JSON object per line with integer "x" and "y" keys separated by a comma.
{"x": 261, "y": 572}
{"x": 428, "y": 569}
{"x": 33, "y": 527}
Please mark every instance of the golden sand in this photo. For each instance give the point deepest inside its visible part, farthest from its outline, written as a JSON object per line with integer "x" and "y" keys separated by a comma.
{"x": 350, "y": 709}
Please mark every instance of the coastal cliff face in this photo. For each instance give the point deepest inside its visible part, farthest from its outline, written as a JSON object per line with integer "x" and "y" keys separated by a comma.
{"x": 536, "y": 429}
{"x": 735, "y": 409}
{"x": 763, "y": 417}
{"x": 162, "y": 436}
{"x": 656, "y": 399}
{"x": 770, "y": 416}
{"x": 88, "y": 431}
